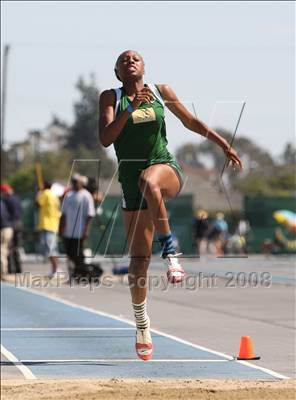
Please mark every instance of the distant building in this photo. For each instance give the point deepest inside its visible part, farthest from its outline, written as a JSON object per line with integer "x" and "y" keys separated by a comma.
{"x": 52, "y": 139}
{"x": 208, "y": 190}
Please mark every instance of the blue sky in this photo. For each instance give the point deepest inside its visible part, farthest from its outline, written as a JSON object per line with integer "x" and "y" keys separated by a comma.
{"x": 213, "y": 54}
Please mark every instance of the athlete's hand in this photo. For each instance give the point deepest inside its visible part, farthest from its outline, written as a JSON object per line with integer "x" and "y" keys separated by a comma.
{"x": 233, "y": 158}
{"x": 142, "y": 96}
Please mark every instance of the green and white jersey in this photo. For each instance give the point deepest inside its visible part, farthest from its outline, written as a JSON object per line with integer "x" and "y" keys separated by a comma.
{"x": 143, "y": 141}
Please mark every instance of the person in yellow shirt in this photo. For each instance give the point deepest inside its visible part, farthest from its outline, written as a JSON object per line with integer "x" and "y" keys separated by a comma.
{"x": 48, "y": 225}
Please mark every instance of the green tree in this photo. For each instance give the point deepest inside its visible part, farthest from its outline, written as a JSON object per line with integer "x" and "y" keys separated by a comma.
{"x": 262, "y": 175}
{"x": 83, "y": 139}
{"x": 253, "y": 155}
{"x": 84, "y": 129}
{"x": 56, "y": 166}
{"x": 87, "y": 162}
{"x": 281, "y": 183}
{"x": 23, "y": 181}
{"x": 289, "y": 154}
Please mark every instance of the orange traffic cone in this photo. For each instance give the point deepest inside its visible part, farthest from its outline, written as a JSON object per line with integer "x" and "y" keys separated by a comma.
{"x": 246, "y": 351}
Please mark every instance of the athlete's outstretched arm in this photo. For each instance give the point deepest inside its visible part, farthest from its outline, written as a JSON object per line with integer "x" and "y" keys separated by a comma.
{"x": 194, "y": 124}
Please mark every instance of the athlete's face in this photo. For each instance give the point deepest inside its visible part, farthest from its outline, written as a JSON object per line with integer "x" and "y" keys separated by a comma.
{"x": 130, "y": 66}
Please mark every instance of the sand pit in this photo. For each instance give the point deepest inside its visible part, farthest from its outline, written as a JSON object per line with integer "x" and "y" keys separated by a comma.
{"x": 91, "y": 389}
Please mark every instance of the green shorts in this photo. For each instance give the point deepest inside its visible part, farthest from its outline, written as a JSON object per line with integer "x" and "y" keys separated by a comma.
{"x": 132, "y": 198}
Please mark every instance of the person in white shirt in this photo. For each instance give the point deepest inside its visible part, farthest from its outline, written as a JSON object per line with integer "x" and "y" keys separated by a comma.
{"x": 77, "y": 212}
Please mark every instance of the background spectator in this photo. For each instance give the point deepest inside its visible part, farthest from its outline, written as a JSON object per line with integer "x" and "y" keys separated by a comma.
{"x": 218, "y": 233}
{"x": 6, "y": 235}
{"x": 14, "y": 208}
{"x": 200, "y": 229}
{"x": 77, "y": 212}
{"x": 48, "y": 225}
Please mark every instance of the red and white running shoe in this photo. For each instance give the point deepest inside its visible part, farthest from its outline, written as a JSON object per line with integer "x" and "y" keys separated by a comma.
{"x": 175, "y": 272}
{"x": 144, "y": 346}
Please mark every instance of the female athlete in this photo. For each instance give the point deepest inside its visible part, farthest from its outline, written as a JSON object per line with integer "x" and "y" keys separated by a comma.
{"x": 132, "y": 119}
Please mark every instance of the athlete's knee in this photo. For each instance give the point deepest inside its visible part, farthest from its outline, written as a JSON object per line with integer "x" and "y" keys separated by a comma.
{"x": 139, "y": 265}
{"x": 148, "y": 184}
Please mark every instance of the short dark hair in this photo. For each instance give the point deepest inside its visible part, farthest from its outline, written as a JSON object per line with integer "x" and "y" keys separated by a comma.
{"x": 47, "y": 184}
{"x": 116, "y": 74}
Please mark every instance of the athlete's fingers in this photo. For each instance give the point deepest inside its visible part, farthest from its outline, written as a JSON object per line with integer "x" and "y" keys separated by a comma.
{"x": 237, "y": 160}
{"x": 148, "y": 92}
{"x": 240, "y": 162}
{"x": 228, "y": 160}
{"x": 231, "y": 162}
{"x": 143, "y": 94}
{"x": 232, "y": 155}
{"x": 144, "y": 98}
{"x": 145, "y": 91}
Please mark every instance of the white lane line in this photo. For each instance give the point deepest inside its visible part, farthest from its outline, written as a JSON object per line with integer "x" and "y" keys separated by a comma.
{"x": 266, "y": 370}
{"x": 28, "y": 374}
{"x": 218, "y": 353}
{"x": 129, "y": 322}
{"x": 127, "y": 360}
{"x": 67, "y": 329}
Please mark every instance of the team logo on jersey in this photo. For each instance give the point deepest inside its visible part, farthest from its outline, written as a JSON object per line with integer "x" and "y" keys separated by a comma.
{"x": 143, "y": 115}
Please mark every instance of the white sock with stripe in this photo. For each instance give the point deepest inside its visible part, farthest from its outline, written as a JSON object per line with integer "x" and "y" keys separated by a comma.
{"x": 140, "y": 312}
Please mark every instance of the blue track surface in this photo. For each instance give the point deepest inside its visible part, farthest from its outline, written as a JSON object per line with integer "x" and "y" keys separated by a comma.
{"x": 38, "y": 332}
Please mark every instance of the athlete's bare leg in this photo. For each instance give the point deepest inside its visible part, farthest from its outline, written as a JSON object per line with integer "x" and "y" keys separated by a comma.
{"x": 157, "y": 183}
{"x": 140, "y": 230}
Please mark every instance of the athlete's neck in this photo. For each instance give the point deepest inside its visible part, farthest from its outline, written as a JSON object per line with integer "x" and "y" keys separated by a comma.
{"x": 133, "y": 86}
